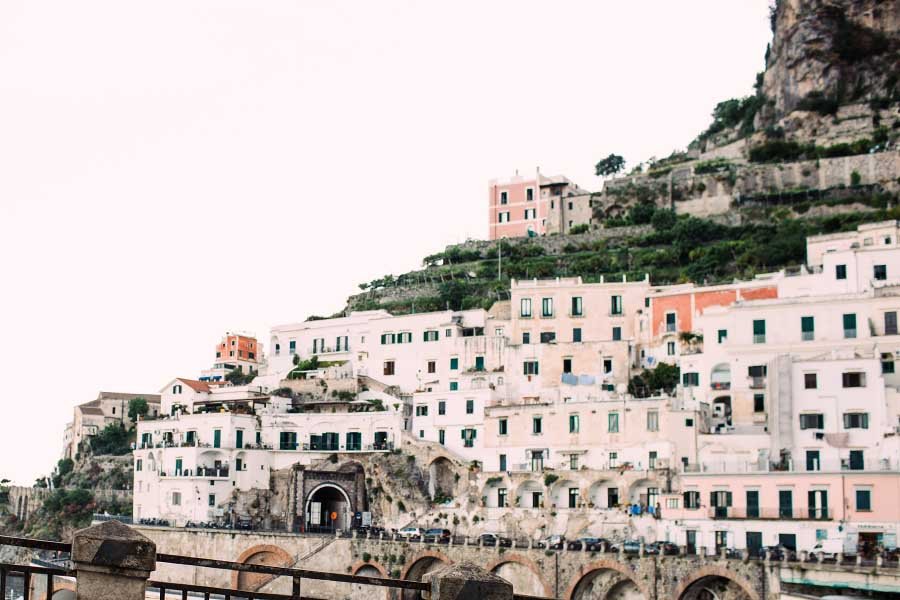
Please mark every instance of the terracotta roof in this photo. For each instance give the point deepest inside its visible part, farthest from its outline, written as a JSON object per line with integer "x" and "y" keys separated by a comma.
{"x": 197, "y": 386}
{"x": 151, "y": 398}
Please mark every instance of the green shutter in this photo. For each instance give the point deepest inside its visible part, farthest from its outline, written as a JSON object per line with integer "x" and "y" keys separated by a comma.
{"x": 850, "y": 321}
{"x": 759, "y": 327}
{"x": 807, "y": 324}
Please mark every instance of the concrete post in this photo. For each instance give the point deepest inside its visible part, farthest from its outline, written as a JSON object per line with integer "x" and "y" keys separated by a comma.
{"x": 859, "y": 560}
{"x": 602, "y": 547}
{"x": 768, "y": 556}
{"x": 466, "y": 541}
{"x": 112, "y": 562}
{"x": 879, "y": 561}
{"x": 682, "y": 550}
{"x": 745, "y": 555}
{"x": 839, "y": 558}
{"x": 530, "y": 543}
{"x": 353, "y": 534}
{"x": 584, "y": 547}
{"x": 466, "y": 580}
{"x": 641, "y": 550}
{"x": 804, "y": 556}
{"x": 723, "y": 553}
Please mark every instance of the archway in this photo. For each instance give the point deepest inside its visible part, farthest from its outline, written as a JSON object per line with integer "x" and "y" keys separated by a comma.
{"x": 328, "y": 508}
{"x": 368, "y": 592}
{"x": 714, "y": 583}
{"x": 423, "y": 563}
{"x": 523, "y": 574}
{"x": 561, "y": 494}
{"x": 598, "y": 493}
{"x": 441, "y": 479}
{"x": 606, "y": 580}
{"x": 530, "y": 494}
{"x": 265, "y": 554}
{"x": 64, "y": 595}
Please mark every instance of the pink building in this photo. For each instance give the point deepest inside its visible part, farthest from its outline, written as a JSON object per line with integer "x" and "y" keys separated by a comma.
{"x": 522, "y": 205}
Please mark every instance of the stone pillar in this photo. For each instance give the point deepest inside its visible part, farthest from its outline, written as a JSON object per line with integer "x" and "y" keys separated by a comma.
{"x": 465, "y": 580}
{"x": 745, "y": 555}
{"x": 112, "y": 562}
{"x": 839, "y": 558}
{"x": 641, "y": 550}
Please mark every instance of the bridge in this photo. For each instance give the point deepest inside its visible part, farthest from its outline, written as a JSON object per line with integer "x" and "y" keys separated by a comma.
{"x": 564, "y": 574}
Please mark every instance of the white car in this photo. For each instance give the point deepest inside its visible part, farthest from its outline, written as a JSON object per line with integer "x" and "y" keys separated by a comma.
{"x": 827, "y": 548}
{"x": 410, "y": 532}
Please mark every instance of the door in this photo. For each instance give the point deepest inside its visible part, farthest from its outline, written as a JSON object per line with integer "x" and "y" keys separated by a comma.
{"x": 817, "y": 501}
{"x": 753, "y": 504}
{"x": 785, "y": 504}
{"x": 217, "y": 438}
{"x": 754, "y": 542}
{"x": 788, "y": 540}
{"x": 856, "y": 460}
{"x": 178, "y": 464}
{"x": 691, "y": 541}
{"x": 721, "y": 541}
{"x": 239, "y": 438}
{"x": 381, "y": 440}
{"x": 812, "y": 460}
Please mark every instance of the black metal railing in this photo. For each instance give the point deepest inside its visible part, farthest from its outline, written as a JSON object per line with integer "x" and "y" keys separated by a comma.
{"x": 10, "y": 574}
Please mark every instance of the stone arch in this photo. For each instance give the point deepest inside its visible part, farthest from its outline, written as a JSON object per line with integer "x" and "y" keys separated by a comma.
{"x": 334, "y": 490}
{"x": 559, "y": 493}
{"x": 420, "y": 564}
{"x": 262, "y": 554}
{"x": 598, "y": 494}
{"x": 367, "y": 592}
{"x": 528, "y": 564}
{"x": 63, "y": 589}
{"x": 591, "y": 570}
{"x": 708, "y": 573}
{"x": 525, "y": 491}
{"x": 489, "y": 491}
{"x": 441, "y": 478}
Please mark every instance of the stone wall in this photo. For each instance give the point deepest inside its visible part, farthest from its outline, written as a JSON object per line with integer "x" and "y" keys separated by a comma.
{"x": 24, "y": 501}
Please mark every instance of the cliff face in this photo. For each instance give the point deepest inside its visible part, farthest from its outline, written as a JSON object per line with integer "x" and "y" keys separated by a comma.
{"x": 831, "y": 61}
{"x": 846, "y": 50}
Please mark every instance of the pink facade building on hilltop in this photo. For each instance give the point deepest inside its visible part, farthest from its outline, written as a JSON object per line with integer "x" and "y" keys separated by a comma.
{"x": 527, "y": 205}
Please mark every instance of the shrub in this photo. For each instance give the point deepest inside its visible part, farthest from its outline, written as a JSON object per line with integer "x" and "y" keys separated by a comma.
{"x": 549, "y": 478}
{"x": 580, "y": 228}
{"x": 663, "y": 220}
{"x": 855, "y": 178}
{"x": 712, "y": 166}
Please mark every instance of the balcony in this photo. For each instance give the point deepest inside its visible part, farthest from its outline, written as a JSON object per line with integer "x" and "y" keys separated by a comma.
{"x": 769, "y": 513}
{"x": 720, "y": 385}
{"x": 756, "y": 383}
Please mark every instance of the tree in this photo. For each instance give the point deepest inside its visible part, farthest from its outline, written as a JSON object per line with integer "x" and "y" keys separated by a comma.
{"x": 663, "y": 220}
{"x": 610, "y": 165}
{"x": 137, "y": 407}
{"x": 112, "y": 439}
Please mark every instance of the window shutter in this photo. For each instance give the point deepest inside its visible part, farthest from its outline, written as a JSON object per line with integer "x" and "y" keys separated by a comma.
{"x": 712, "y": 499}
{"x": 728, "y": 499}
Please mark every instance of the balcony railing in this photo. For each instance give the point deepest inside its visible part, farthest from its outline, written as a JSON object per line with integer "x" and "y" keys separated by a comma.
{"x": 830, "y": 466}
{"x": 757, "y": 383}
{"x": 780, "y": 513}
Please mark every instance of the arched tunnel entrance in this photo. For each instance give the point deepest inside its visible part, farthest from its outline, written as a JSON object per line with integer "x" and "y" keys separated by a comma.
{"x": 714, "y": 587}
{"x": 607, "y": 584}
{"x": 328, "y": 508}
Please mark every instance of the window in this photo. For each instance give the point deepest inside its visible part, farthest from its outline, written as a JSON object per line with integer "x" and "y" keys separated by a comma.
{"x": 504, "y": 197}
{"x": 617, "y": 334}
{"x": 856, "y": 420}
{"x": 421, "y": 433}
{"x": 468, "y": 437}
{"x": 454, "y": 364}
{"x": 526, "y": 337}
{"x": 546, "y": 307}
{"x": 432, "y": 366}
{"x": 688, "y": 422}
{"x": 812, "y": 460}
{"x": 690, "y": 379}
{"x": 810, "y": 381}
{"x": 530, "y": 213}
{"x": 613, "y": 460}
{"x": 752, "y": 497}
{"x": 853, "y": 380}
{"x": 525, "y": 307}
{"x": 612, "y": 422}
{"x": 785, "y": 503}
{"x": 573, "y": 462}
{"x": 138, "y": 464}
{"x": 211, "y": 499}
{"x": 850, "y": 325}
{"x": 607, "y": 365}
{"x": 442, "y": 407}
{"x": 723, "y": 335}
{"x": 277, "y": 349}
{"x": 577, "y": 306}
{"x": 548, "y": 336}
{"x": 576, "y": 334}
{"x": 448, "y": 333}
{"x": 652, "y": 420}
{"x": 890, "y": 323}
{"x": 691, "y": 499}
{"x": 388, "y": 338}
{"x": 176, "y": 498}
{"x": 840, "y": 271}
{"x": 759, "y": 403}
{"x": 502, "y": 426}
{"x": 501, "y": 497}
{"x": 537, "y": 425}
{"x": 479, "y": 363}
{"x": 388, "y": 367}
{"x": 422, "y": 410}
{"x": 292, "y": 346}
{"x": 651, "y": 460}
{"x": 530, "y": 367}
{"x": 470, "y": 407}
{"x": 887, "y": 362}
{"x": 217, "y": 438}
{"x": 759, "y": 331}
{"x": 442, "y": 436}
{"x": 612, "y": 497}
{"x": 670, "y": 322}
{"x": 856, "y": 461}
{"x": 498, "y": 332}
{"x": 757, "y": 371}
{"x": 431, "y": 336}
{"x": 567, "y": 365}
{"x": 812, "y": 421}
{"x": 670, "y": 348}
{"x": 573, "y": 497}
{"x": 807, "y": 329}
{"x": 502, "y": 462}
{"x": 239, "y": 438}
{"x": 863, "y": 500}
{"x": 454, "y": 386}
{"x": 615, "y": 305}
{"x": 503, "y": 217}
{"x": 573, "y": 424}
{"x": 880, "y": 272}
{"x": 529, "y": 194}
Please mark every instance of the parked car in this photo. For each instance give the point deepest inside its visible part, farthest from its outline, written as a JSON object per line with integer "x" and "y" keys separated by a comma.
{"x": 243, "y": 524}
{"x": 410, "y": 533}
{"x": 665, "y": 548}
{"x": 438, "y": 536}
{"x": 364, "y": 530}
{"x": 554, "y": 542}
{"x": 591, "y": 544}
{"x": 828, "y": 548}
{"x": 629, "y": 547}
{"x": 492, "y": 539}
{"x": 776, "y": 553}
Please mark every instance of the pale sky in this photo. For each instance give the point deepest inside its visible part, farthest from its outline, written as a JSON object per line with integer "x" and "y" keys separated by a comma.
{"x": 173, "y": 169}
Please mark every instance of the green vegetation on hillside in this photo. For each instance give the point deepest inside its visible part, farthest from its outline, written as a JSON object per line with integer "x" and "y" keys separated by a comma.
{"x": 676, "y": 250}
